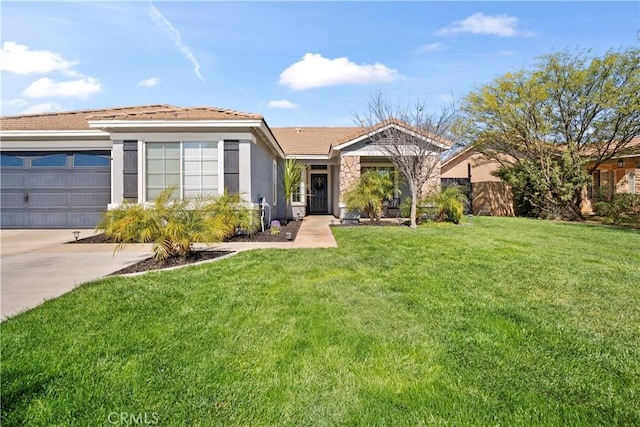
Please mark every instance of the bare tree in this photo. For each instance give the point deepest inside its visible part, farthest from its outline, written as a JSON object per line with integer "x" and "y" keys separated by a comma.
{"x": 413, "y": 139}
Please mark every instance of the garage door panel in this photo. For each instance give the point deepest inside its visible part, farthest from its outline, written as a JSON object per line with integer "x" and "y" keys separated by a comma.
{"x": 9, "y": 219}
{"x": 50, "y": 200}
{"x": 96, "y": 179}
{"x": 89, "y": 200}
{"x": 46, "y": 180}
{"x": 13, "y": 199}
{"x": 48, "y": 219}
{"x": 12, "y": 179}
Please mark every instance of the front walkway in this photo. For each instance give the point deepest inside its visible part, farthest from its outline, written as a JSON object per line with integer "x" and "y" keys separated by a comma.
{"x": 314, "y": 232}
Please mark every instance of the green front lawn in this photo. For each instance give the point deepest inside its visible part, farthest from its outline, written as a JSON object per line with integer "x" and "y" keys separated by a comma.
{"x": 504, "y": 322}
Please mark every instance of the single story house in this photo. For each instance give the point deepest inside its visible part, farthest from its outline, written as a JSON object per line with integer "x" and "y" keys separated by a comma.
{"x": 491, "y": 196}
{"x": 64, "y": 170}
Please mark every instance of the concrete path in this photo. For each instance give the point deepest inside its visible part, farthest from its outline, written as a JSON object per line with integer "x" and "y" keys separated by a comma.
{"x": 36, "y": 265}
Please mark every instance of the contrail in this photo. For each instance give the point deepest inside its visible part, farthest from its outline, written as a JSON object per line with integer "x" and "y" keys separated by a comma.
{"x": 174, "y": 35}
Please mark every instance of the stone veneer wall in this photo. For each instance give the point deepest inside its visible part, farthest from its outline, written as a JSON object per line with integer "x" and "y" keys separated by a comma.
{"x": 349, "y": 173}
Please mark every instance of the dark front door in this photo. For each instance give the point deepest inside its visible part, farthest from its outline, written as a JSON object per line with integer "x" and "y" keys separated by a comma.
{"x": 319, "y": 191}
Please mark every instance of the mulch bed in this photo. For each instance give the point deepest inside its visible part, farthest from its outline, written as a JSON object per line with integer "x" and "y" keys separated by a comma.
{"x": 266, "y": 236}
{"x": 149, "y": 264}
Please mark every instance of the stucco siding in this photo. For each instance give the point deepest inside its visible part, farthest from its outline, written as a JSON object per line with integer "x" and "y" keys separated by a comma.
{"x": 261, "y": 166}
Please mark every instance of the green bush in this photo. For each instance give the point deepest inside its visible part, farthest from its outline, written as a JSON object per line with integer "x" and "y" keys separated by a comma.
{"x": 450, "y": 204}
{"x": 445, "y": 205}
{"x": 621, "y": 207}
{"x": 173, "y": 226}
{"x": 369, "y": 193}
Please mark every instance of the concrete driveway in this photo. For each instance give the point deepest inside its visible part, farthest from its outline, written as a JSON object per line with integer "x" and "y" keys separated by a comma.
{"x": 36, "y": 265}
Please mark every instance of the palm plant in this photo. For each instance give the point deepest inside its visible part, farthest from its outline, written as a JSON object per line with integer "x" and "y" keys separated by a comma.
{"x": 449, "y": 204}
{"x": 291, "y": 179}
{"x": 172, "y": 226}
{"x": 369, "y": 194}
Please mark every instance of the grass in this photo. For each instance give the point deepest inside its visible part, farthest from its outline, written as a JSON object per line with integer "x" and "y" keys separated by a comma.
{"x": 505, "y": 322}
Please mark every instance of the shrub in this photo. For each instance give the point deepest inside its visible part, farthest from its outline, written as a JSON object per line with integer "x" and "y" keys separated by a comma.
{"x": 172, "y": 226}
{"x": 621, "y": 207}
{"x": 445, "y": 205}
{"x": 369, "y": 193}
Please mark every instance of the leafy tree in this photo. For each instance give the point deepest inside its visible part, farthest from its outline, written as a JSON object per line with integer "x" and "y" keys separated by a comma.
{"x": 413, "y": 139}
{"x": 369, "y": 194}
{"x": 291, "y": 179}
{"x": 172, "y": 226}
{"x": 544, "y": 125}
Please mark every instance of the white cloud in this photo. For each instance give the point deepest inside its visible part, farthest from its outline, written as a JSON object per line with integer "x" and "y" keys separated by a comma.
{"x": 18, "y": 58}
{"x": 174, "y": 35}
{"x": 18, "y": 102}
{"x": 45, "y": 107}
{"x": 282, "y": 103}
{"x": 313, "y": 70}
{"x": 479, "y": 23}
{"x": 45, "y": 88}
{"x": 153, "y": 81}
{"x": 431, "y": 47}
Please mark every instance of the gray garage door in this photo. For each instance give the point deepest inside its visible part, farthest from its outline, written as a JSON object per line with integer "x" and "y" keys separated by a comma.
{"x": 54, "y": 190}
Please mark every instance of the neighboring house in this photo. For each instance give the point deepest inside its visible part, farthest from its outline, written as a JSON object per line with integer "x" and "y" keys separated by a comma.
{"x": 488, "y": 194}
{"x": 491, "y": 196}
{"x": 65, "y": 169}
{"x": 620, "y": 174}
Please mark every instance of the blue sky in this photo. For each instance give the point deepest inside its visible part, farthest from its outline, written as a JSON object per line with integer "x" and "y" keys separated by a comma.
{"x": 296, "y": 63}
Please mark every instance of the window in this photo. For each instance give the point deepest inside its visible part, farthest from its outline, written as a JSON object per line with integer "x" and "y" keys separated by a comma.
{"x": 632, "y": 183}
{"x": 81, "y": 160}
{"x": 52, "y": 160}
{"x": 192, "y": 167}
{"x": 297, "y": 195}
{"x": 319, "y": 167}
{"x": 595, "y": 185}
{"x": 163, "y": 168}
{"x": 9, "y": 161}
{"x": 200, "y": 169}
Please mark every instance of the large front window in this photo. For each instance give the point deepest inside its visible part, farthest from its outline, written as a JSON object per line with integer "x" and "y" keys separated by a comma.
{"x": 192, "y": 167}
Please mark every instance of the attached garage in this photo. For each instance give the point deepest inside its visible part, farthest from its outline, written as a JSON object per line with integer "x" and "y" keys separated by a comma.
{"x": 68, "y": 189}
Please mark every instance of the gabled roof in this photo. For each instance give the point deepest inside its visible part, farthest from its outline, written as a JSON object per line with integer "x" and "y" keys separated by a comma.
{"x": 313, "y": 140}
{"x": 79, "y": 120}
{"x": 366, "y": 132}
{"x": 322, "y": 140}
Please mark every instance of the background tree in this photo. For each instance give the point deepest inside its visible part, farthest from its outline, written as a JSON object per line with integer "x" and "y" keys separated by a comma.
{"x": 413, "y": 139}
{"x": 291, "y": 180}
{"x": 544, "y": 125}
